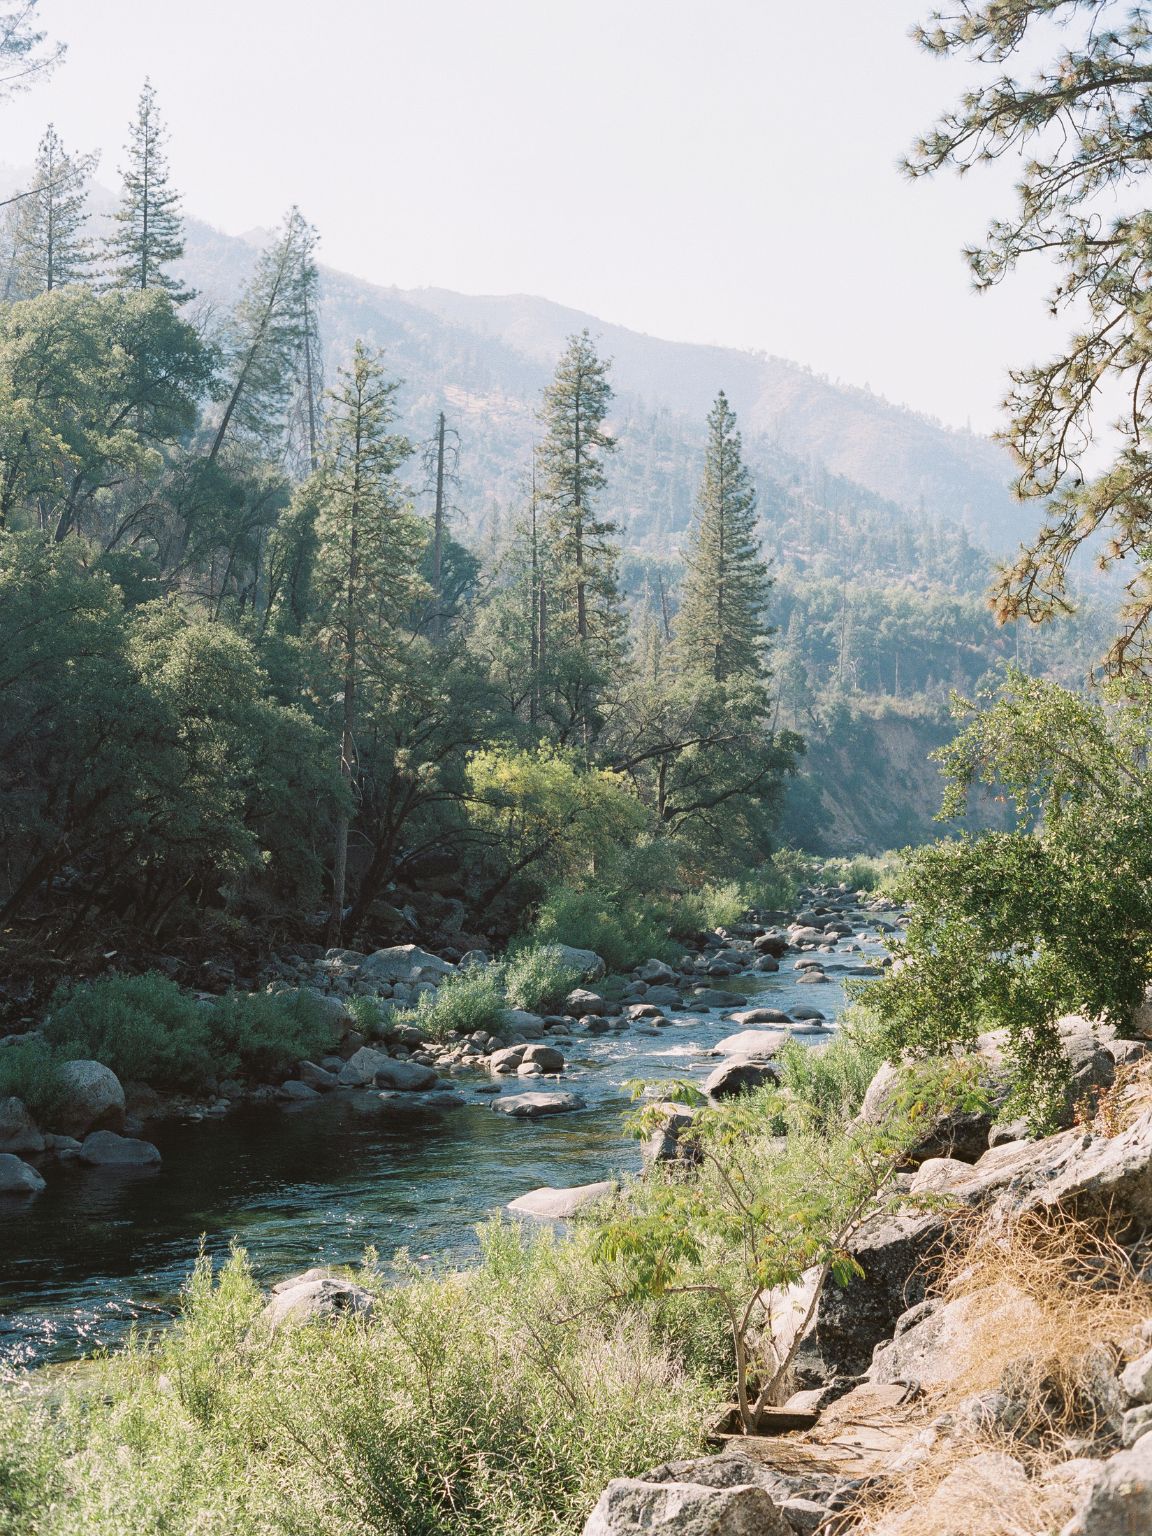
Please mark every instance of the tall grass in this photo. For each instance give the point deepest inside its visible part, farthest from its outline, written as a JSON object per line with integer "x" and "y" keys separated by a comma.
{"x": 494, "y": 1403}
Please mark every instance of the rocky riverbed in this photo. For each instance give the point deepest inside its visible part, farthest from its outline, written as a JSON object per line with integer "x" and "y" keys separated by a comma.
{"x": 395, "y": 1141}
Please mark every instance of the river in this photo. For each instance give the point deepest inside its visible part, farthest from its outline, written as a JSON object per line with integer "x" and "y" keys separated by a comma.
{"x": 296, "y": 1185}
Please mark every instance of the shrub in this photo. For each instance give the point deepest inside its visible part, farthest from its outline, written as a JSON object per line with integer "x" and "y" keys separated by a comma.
{"x": 830, "y": 1080}
{"x": 465, "y": 1001}
{"x": 538, "y": 978}
{"x": 624, "y": 931}
{"x": 421, "y": 1421}
{"x": 30, "y": 1071}
{"x": 147, "y": 1030}
{"x": 261, "y": 1034}
{"x": 143, "y": 1027}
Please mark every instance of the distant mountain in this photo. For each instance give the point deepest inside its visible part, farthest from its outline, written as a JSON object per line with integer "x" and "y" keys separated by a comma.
{"x": 485, "y": 360}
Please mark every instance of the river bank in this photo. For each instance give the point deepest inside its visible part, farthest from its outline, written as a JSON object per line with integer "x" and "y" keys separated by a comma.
{"x": 315, "y": 1181}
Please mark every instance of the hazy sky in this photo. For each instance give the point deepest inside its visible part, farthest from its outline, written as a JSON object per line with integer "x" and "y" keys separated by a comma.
{"x": 708, "y": 170}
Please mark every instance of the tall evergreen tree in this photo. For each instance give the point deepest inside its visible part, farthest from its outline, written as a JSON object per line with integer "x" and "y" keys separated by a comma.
{"x": 272, "y": 340}
{"x": 586, "y": 628}
{"x": 369, "y": 543}
{"x": 721, "y": 627}
{"x": 51, "y": 244}
{"x": 149, "y": 227}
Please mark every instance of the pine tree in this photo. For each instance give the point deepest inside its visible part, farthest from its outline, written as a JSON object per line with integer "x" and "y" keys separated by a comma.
{"x": 149, "y": 227}
{"x": 721, "y": 628}
{"x": 369, "y": 543}
{"x": 586, "y": 627}
{"x": 273, "y": 343}
{"x": 51, "y": 245}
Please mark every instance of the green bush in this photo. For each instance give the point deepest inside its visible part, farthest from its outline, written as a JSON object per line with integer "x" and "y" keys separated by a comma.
{"x": 143, "y": 1027}
{"x": 624, "y": 931}
{"x": 147, "y": 1030}
{"x": 465, "y": 1001}
{"x": 30, "y": 1071}
{"x": 265, "y": 1033}
{"x": 424, "y": 1420}
{"x": 538, "y": 978}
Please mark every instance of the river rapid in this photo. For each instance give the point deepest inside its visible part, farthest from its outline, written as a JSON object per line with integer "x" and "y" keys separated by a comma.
{"x": 100, "y": 1250}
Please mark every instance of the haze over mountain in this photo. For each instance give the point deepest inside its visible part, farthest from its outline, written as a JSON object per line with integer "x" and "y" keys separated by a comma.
{"x": 485, "y": 359}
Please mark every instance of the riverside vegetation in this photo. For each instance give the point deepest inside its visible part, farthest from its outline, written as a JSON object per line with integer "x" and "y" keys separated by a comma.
{"x": 900, "y": 1277}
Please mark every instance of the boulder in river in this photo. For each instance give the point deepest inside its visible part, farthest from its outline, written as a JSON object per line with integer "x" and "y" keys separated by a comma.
{"x": 531, "y": 1106}
{"x": 550, "y": 1204}
{"x": 739, "y": 1075}
{"x": 104, "y": 1149}
{"x": 18, "y": 1177}
{"x": 753, "y": 1044}
{"x": 582, "y": 1002}
{"x": 760, "y": 1016}
{"x": 546, "y": 1057}
{"x": 656, "y": 971}
{"x": 18, "y": 1130}
{"x": 362, "y": 1066}
{"x": 404, "y": 1076}
{"x": 92, "y": 1099}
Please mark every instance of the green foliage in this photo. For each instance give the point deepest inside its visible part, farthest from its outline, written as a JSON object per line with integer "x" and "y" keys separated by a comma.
{"x": 143, "y": 1027}
{"x": 721, "y": 630}
{"x": 1089, "y": 73}
{"x": 624, "y": 930}
{"x": 829, "y": 1082}
{"x": 538, "y": 978}
{"x": 420, "y": 1422}
{"x": 148, "y": 230}
{"x": 764, "y": 1207}
{"x": 875, "y": 875}
{"x": 147, "y": 1030}
{"x": 265, "y": 1033}
{"x": 463, "y": 1002}
{"x": 29, "y": 1071}
{"x": 1015, "y": 929}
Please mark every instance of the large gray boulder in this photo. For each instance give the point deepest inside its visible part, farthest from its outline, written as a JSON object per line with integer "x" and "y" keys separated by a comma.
{"x": 752, "y": 1044}
{"x": 582, "y": 1002}
{"x": 739, "y": 1075}
{"x": 531, "y": 1106}
{"x": 92, "y": 1099}
{"x": 18, "y": 1130}
{"x": 334, "y": 1013}
{"x": 546, "y": 1057}
{"x": 362, "y": 1066}
{"x": 1119, "y": 1501}
{"x": 404, "y": 1076}
{"x": 586, "y": 962}
{"x": 104, "y": 1149}
{"x": 656, "y": 971}
{"x": 399, "y": 961}
{"x": 751, "y": 1016}
{"x": 18, "y": 1177}
{"x": 898, "y": 1256}
{"x": 631, "y": 1507}
{"x": 664, "y": 1144}
{"x": 314, "y": 1298}
{"x": 550, "y": 1204}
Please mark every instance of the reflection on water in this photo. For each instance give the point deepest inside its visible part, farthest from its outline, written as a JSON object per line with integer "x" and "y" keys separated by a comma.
{"x": 318, "y": 1183}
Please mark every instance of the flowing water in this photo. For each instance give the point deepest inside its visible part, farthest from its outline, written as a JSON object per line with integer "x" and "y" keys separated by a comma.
{"x": 297, "y": 1185}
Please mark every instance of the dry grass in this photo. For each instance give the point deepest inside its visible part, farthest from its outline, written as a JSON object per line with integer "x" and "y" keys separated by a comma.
{"x": 1129, "y": 1097}
{"x": 972, "y": 1486}
{"x": 1043, "y": 1308}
